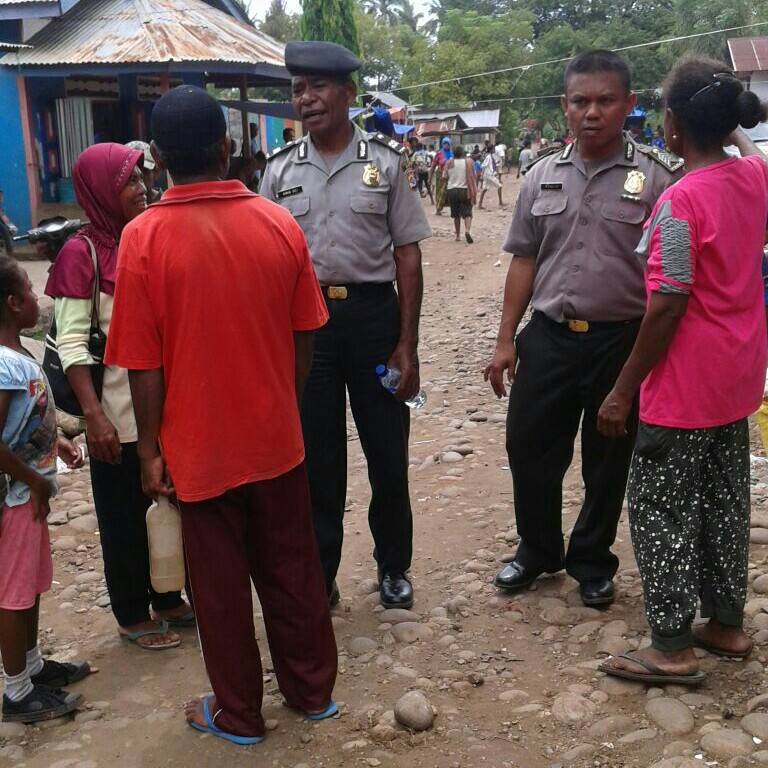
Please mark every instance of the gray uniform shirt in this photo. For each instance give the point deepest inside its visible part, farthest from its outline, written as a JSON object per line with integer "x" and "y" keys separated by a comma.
{"x": 582, "y": 226}
{"x": 354, "y": 214}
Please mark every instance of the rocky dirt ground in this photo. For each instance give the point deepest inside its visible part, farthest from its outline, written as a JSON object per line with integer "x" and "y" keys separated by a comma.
{"x": 512, "y": 680}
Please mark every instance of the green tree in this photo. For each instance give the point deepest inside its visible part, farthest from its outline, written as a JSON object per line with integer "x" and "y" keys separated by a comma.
{"x": 383, "y": 50}
{"x": 407, "y": 15}
{"x": 469, "y": 43}
{"x": 332, "y": 21}
{"x": 695, "y": 17}
{"x": 386, "y": 10}
{"x": 280, "y": 24}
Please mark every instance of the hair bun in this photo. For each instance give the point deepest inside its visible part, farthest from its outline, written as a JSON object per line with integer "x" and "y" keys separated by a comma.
{"x": 750, "y": 110}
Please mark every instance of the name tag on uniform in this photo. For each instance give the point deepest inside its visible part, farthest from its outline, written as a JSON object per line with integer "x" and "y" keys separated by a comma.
{"x": 551, "y": 185}
{"x": 289, "y": 192}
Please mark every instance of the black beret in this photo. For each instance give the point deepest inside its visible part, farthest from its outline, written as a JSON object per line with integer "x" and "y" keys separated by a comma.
{"x": 316, "y": 58}
{"x": 186, "y": 117}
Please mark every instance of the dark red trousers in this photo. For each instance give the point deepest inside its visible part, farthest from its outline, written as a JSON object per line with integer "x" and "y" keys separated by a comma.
{"x": 260, "y": 532}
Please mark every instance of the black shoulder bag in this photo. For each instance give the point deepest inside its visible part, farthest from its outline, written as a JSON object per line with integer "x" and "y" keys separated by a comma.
{"x": 63, "y": 395}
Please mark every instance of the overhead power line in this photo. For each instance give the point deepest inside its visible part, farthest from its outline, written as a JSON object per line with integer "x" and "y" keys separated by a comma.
{"x": 525, "y": 67}
{"x": 548, "y": 96}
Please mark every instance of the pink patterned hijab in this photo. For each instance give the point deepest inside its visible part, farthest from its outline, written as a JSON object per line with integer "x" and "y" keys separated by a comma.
{"x": 99, "y": 175}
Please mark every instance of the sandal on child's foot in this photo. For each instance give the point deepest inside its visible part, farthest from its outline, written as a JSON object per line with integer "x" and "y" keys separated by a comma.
{"x": 57, "y": 674}
{"x": 43, "y": 703}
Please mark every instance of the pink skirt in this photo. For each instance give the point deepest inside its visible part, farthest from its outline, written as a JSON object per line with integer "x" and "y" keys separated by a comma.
{"x": 26, "y": 565}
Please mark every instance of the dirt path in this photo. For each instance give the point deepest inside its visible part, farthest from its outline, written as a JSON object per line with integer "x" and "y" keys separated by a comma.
{"x": 513, "y": 679}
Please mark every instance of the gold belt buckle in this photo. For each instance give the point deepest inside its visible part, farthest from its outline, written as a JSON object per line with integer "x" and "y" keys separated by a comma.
{"x": 337, "y": 291}
{"x": 578, "y": 326}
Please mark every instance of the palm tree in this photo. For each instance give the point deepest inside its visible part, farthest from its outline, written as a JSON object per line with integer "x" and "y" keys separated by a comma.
{"x": 386, "y": 10}
{"x": 407, "y": 15}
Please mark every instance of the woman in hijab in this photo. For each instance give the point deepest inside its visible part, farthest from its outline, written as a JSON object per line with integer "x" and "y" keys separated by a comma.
{"x": 109, "y": 188}
{"x": 443, "y": 155}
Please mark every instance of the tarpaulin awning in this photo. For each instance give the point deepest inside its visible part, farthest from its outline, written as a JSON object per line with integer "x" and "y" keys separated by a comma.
{"x": 271, "y": 108}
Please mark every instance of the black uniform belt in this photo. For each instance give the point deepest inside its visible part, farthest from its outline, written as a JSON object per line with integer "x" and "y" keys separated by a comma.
{"x": 584, "y": 326}
{"x": 353, "y": 290}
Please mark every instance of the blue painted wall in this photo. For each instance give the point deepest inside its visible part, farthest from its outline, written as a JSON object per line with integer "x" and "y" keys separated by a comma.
{"x": 13, "y": 179}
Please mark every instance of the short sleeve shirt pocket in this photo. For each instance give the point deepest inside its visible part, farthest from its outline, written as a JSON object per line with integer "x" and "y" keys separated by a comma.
{"x": 549, "y": 205}
{"x": 300, "y": 208}
{"x": 614, "y": 239}
{"x": 370, "y": 216}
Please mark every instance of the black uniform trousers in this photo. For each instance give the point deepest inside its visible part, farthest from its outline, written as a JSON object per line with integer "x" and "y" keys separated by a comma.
{"x": 562, "y": 379}
{"x": 362, "y": 332}
{"x": 121, "y": 510}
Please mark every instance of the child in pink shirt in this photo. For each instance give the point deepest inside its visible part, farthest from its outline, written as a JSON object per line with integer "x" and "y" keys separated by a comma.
{"x": 28, "y": 448}
{"x": 700, "y": 356}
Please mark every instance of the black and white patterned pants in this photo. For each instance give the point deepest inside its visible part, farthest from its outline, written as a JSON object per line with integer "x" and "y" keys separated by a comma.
{"x": 689, "y": 517}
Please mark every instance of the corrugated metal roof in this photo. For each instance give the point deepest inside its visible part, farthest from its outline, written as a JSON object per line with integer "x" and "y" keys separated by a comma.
{"x": 146, "y": 32}
{"x": 387, "y": 98}
{"x": 473, "y": 118}
{"x": 749, "y": 54}
{"x": 5, "y": 47}
{"x": 21, "y": 2}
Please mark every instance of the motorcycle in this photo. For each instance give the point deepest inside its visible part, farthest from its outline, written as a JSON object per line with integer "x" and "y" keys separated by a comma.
{"x": 49, "y": 235}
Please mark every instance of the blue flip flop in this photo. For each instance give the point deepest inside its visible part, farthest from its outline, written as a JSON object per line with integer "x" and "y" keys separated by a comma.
{"x": 187, "y": 620}
{"x": 329, "y": 711}
{"x": 209, "y": 727}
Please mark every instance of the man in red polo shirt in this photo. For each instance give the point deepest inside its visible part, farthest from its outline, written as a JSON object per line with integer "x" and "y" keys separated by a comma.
{"x": 215, "y": 305}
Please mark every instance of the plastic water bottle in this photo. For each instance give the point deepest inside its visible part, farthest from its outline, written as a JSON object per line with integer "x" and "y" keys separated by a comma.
{"x": 390, "y": 378}
{"x": 166, "y": 550}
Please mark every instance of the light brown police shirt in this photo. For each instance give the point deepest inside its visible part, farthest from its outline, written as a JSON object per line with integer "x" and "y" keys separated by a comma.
{"x": 582, "y": 226}
{"x": 354, "y": 213}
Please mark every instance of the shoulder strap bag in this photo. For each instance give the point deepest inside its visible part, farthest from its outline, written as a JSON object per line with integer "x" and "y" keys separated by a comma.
{"x": 63, "y": 394}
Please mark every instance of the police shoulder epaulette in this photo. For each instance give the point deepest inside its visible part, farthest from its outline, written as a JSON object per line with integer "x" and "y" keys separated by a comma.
{"x": 395, "y": 146}
{"x": 284, "y": 148}
{"x": 669, "y": 160}
{"x": 548, "y": 153}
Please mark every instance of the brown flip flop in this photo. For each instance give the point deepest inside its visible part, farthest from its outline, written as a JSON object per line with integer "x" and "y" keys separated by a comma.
{"x": 722, "y": 652}
{"x": 653, "y": 675}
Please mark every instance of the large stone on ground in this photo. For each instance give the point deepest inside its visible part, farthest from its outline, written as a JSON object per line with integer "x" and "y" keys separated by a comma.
{"x": 757, "y": 702}
{"x": 760, "y": 584}
{"x": 572, "y": 708}
{"x": 64, "y": 544}
{"x": 608, "y": 726}
{"x": 678, "y": 762}
{"x": 756, "y": 724}
{"x": 358, "y": 646}
{"x": 726, "y": 743}
{"x": 414, "y": 710}
{"x": 410, "y": 632}
{"x": 86, "y": 523}
{"x": 670, "y": 715}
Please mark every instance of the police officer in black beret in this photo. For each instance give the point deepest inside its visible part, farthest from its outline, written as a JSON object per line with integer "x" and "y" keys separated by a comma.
{"x": 353, "y": 194}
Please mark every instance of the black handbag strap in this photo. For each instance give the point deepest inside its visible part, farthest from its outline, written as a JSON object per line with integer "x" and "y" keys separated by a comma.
{"x": 95, "y": 298}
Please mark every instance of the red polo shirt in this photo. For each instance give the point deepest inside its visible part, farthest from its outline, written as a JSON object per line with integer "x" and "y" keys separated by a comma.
{"x": 211, "y": 283}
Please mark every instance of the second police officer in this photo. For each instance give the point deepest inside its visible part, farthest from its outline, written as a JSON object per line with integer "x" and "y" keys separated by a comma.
{"x": 352, "y": 194}
{"x": 573, "y": 235}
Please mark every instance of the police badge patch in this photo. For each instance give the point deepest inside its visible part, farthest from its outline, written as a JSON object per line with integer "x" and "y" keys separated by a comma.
{"x": 635, "y": 182}
{"x": 371, "y": 175}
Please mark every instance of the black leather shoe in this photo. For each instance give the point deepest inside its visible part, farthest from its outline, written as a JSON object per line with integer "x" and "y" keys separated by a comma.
{"x": 395, "y": 591}
{"x": 515, "y": 576}
{"x": 334, "y": 596}
{"x": 597, "y": 592}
